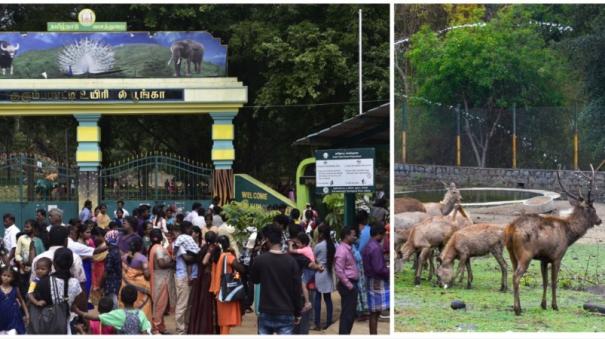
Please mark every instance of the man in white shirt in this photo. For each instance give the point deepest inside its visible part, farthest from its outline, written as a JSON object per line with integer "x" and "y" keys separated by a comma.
{"x": 199, "y": 220}
{"x": 10, "y": 235}
{"x": 189, "y": 217}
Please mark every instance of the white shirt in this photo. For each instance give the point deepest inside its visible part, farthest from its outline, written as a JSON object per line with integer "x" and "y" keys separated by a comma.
{"x": 84, "y": 251}
{"x": 77, "y": 271}
{"x": 161, "y": 224}
{"x": 190, "y": 216}
{"x": 199, "y": 221}
{"x": 10, "y": 237}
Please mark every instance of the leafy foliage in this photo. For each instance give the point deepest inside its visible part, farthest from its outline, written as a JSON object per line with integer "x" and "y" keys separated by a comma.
{"x": 485, "y": 70}
{"x": 335, "y": 203}
{"x": 242, "y": 215}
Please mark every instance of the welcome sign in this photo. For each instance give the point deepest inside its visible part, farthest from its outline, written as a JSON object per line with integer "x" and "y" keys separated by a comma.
{"x": 51, "y": 55}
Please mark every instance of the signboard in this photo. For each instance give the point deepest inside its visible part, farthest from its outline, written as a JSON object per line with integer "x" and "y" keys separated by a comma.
{"x": 344, "y": 170}
{"x": 257, "y": 193}
{"x": 56, "y": 55}
{"x": 77, "y": 27}
{"x": 92, "y": 95}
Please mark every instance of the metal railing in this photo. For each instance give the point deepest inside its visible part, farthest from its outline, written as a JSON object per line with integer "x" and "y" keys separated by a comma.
{"x": 156, "y": 177}
{"x": 29, "y": 177}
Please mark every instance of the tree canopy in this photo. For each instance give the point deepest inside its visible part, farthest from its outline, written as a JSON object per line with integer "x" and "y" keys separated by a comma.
{"x": 491, "y": 60}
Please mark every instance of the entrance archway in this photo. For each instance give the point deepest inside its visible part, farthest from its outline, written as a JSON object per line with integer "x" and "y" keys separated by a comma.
{"x": 88, "y": 99}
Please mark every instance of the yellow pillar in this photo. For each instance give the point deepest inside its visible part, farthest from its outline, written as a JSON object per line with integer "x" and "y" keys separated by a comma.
{"x": 458, "y": 151}
{"x": 576, "y": 142}
{"x": 514, "y": 151}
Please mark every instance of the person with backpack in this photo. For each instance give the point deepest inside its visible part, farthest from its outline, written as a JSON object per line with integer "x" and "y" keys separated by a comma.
{"x": 127, "y": 320}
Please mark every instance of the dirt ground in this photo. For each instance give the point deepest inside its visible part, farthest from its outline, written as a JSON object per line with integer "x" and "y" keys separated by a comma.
{"x": 249, "y": 323}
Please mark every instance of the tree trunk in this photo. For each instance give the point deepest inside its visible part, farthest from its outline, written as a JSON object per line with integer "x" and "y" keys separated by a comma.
{"x": 480, "y": 144}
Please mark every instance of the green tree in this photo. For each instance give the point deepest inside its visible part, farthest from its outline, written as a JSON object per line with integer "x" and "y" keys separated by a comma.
{"x": 486, "y": 70}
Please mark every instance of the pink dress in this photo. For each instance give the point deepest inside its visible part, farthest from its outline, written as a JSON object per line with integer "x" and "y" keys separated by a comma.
{"x": 96, "y": 328}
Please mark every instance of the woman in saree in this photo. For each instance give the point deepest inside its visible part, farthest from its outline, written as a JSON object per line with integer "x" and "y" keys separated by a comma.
{"x": 98, "y": 264}
{"x": 160, "y": 264}
{"x": 128, "y": 235}
{"x": 202, "y": 319}
{"x": 135, "y": 272}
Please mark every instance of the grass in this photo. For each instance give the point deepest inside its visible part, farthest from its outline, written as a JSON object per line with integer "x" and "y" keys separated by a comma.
{"x": 427, "y": 307}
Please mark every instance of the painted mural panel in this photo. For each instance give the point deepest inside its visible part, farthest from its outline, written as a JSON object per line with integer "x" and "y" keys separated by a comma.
{"x": 111, "y": 55}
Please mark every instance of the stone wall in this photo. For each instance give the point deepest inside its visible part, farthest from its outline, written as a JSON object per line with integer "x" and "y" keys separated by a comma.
{"x": 411, "y": 176}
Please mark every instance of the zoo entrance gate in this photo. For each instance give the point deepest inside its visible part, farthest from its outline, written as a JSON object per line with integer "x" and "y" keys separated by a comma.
{"x": 30, "y": 182}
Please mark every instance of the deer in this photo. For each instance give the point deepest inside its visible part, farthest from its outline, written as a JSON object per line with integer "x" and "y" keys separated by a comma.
{"x": 404, "y": 221}
{"x": 444, "y": 207}
{"x": 472, "y": 241}
{"x": 547, "y": 238}
{"x": 429, "y": 235}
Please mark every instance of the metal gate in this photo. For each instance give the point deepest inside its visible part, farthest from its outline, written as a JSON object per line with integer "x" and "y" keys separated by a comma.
{"x": 29, "y": 182}
{"x": 157, "y": 177}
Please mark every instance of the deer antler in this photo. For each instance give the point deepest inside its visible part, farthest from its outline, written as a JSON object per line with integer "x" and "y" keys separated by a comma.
{"x": 592, "y": 179}
{"x": 575, "y": 197}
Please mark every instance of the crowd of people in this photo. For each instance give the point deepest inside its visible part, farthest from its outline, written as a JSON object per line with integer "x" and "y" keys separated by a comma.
{"x": 123, "y": 272}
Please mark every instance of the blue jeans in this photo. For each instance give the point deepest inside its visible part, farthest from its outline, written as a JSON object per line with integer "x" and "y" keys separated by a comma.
{"x": 275, "y": 324}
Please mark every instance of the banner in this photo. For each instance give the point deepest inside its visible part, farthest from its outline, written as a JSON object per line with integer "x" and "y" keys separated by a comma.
{"x": 48, "y": 55}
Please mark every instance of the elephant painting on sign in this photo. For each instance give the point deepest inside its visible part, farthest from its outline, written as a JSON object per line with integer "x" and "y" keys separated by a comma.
{"x": 189, "y": 50}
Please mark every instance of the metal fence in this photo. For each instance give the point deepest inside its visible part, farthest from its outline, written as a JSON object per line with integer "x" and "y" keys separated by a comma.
{"x": 545, "y": 136}
{"x": 28, "y": 178}
{"x": 156, "y": 177}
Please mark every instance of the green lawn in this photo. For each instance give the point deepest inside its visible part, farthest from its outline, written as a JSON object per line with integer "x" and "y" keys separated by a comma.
{"x": 427, "y": 307}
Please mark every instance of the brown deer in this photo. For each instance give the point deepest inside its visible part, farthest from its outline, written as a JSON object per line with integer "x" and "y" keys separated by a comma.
{"x": 429, "y": 235}
{"x": 444, "y": 207}
{"x": 472, "y": 241}
{"x": 546, "y": 238}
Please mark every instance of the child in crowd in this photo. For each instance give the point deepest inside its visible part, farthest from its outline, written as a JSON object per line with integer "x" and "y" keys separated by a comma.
{"x": 105, "y": 306}
{"x": 42, "y": 271}
{"x": 129, "y": 320}
{"x": 299, "y": 245}
{"x": 11, "y": 321}
{"x": 184, "y": 244}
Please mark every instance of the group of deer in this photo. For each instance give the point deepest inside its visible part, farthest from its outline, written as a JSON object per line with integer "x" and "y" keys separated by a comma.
{"x": 445, "y": 226}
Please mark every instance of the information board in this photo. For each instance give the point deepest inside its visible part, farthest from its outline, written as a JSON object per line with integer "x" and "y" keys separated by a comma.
{"x": 344, "y": 170}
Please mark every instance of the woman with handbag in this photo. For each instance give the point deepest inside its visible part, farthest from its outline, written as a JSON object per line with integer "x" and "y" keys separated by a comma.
{"x": 225, "y": 264}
